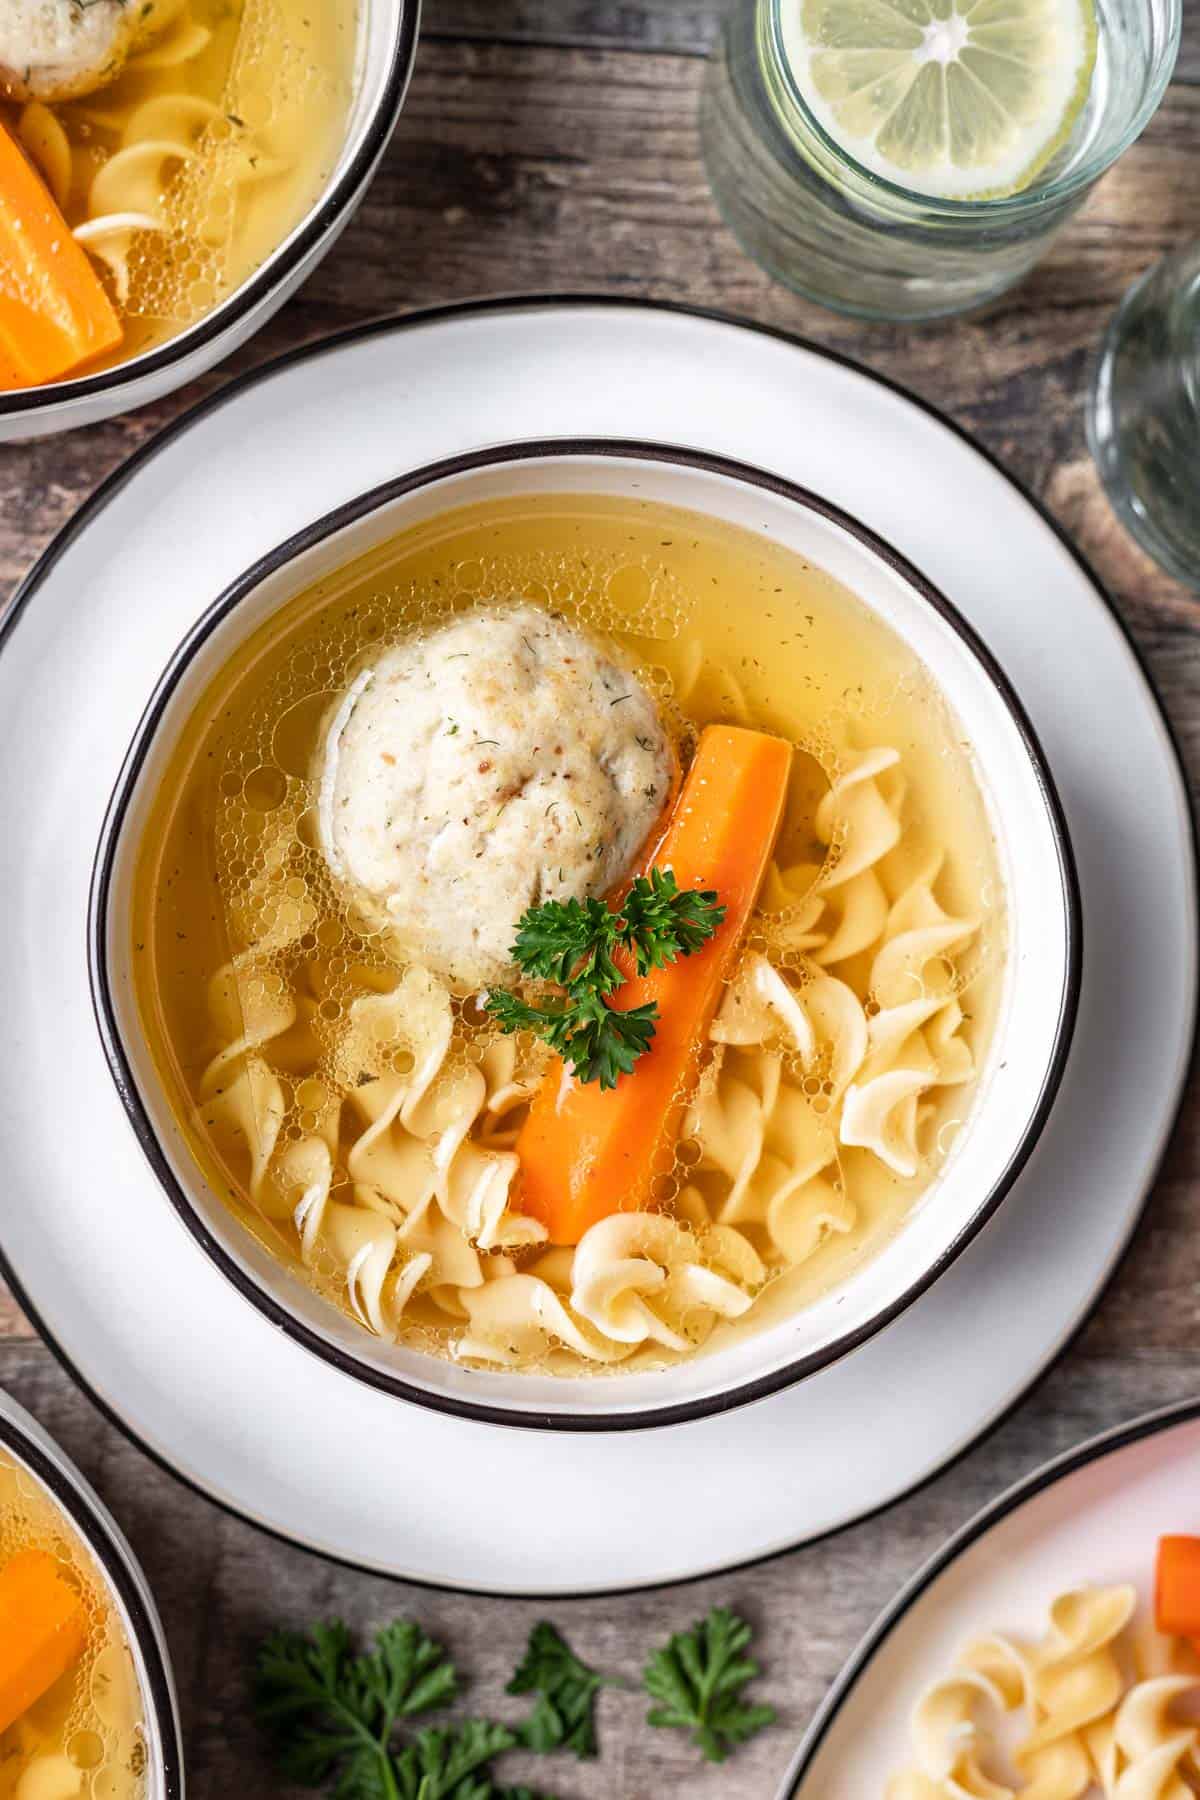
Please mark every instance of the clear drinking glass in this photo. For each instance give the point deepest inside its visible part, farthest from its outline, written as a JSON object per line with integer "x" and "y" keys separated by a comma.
{"x": 840, "y": 234}
{"x": 1144, "y": 418}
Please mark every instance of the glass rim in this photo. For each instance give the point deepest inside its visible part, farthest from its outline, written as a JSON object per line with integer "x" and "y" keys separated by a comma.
{"x": 1035, "y": 194}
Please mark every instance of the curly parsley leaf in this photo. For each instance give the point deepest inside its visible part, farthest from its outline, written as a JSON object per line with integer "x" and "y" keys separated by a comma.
{"x": 603, "y": 1044}
{"x": 600, "y": 1043}
{"x": 564, "y": 1713}
{"x": 698, "y": 1679}
{"x": 660, "y": 922}
{"x": 572, "y": 943}
{"x": 512, "y": 1013}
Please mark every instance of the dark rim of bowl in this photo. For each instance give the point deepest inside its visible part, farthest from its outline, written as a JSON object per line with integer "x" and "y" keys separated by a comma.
{"x": 351, "y": 512}
{"x": 113, "y": 1561}
{"x": 1119, "y": 1437}
{"x": 340, "y": 197}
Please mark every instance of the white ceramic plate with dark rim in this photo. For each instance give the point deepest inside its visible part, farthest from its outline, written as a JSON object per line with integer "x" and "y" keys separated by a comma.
{"x": 1093, "y": 1516}
{"x": 130, "y": 1301}
{"x": 1018, "y": 1078}
{"x": 386, "y": 48}
{"x": 26, "y": 1443}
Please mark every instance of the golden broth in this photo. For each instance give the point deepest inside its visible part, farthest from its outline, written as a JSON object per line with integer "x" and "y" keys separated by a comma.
{"x": 89, "y": 1725}
{"x": 221, "y": 131}
{"x": 720, "y": 626}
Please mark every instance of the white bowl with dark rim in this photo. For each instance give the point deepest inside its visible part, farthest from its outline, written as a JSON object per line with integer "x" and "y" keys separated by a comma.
{"x": 24, "y": 1440}
{"x": 1023, "y": 1067}
{"x": 387, "y": 42}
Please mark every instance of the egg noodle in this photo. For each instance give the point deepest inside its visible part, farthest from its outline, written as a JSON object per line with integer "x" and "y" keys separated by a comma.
{"x": 1096, "y": 1705}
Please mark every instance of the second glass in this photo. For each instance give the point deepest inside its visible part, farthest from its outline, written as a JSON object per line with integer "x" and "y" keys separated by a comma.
{"x": 1144, "y": 417}
{"x": 841, "y": 234}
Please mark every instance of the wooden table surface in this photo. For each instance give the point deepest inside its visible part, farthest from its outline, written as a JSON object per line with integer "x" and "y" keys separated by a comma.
{"x": 550, "y": 145}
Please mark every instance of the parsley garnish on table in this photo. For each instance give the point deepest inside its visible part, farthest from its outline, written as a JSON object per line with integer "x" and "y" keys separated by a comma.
{"x": 698, "y": 1679}
{"x": 344, "y": 1722}
{"x": 451, "y": 1763}
{"x": 574, "y": 943}
{"x": 333, "y": 1718}
{"x": 564, "y": 1713}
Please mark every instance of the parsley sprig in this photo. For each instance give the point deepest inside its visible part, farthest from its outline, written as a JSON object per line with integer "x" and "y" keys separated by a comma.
{"x": 328, "y": 1709}
{"x": 574, "y": 943}
{"x": 333, "y": 1717}
{"x": 600, "y": 1043}
{"x": 450, "y": 1763}
{"x": 564, "y": 1713}
{"x": 343, "y": 1722}
{"x": 698, "y": 1678}
{"x": 571, "y": 942}
{"x": 659, "y": 922}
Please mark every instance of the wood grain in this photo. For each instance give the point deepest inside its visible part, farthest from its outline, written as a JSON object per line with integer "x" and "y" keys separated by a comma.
{"x": 686, "y": 27}
{"x": 551, "y": 145}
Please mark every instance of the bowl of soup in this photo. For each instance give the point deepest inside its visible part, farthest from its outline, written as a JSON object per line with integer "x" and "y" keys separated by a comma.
{"x": 584, "y": 934}
{"x": 87, "y": 1699}
{"x": 169, "y": 173}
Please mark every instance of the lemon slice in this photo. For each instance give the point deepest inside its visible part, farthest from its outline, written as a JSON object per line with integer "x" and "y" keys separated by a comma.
{"x": 962, "y": 99}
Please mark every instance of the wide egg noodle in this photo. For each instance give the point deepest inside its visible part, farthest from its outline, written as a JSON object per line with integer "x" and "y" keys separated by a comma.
{"x": 773, "y": 1130}
{"x": 1073, "y": 1715}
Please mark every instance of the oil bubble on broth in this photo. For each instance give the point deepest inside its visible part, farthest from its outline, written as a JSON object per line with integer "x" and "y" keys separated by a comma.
{"x": 361, "y": 1112}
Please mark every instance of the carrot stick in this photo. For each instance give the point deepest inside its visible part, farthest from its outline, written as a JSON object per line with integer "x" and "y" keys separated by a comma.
{"x": 54, "y": 312}
{"x": 43, "y": 1629}
{"x": 1177, "y": 1587}
{"x": 586, "y": 1152}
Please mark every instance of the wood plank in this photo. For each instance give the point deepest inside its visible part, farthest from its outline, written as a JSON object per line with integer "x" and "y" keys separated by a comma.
{"x": 687, "y": 27}
{"x": 221, "y": 1585}
{"x": 13, "y": 1323}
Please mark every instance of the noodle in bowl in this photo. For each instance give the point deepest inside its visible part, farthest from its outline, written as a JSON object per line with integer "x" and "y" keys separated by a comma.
{"x": 1012, "y": 1039}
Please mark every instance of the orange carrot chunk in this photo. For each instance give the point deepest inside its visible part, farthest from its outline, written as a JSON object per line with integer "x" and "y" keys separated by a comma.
{"x": 43, "y": 1629}
{"x": 1177, "y": 1587}
{"x": 586, "y": 1152}
{"x": 54, "y": 312}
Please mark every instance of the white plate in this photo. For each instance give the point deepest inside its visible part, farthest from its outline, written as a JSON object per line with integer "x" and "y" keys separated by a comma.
{"x": 1092, "y": 1516}
{"x": 175, "y": 1354}
{"x": 1035, "y": 1015}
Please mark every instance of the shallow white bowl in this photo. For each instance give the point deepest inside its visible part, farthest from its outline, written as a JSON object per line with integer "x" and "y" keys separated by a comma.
{"x": 23, "y": 1439}
{"x": 1025, "y": 1061}
{"x": 387, "y": 42}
